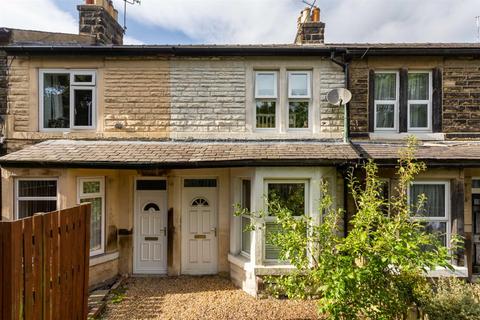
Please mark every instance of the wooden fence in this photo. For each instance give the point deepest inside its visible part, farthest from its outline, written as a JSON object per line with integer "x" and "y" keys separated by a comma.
{"x": 44, "y": 263}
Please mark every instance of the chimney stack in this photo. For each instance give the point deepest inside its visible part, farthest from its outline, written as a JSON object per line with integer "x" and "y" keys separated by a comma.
{"x": 310, "y": 29}
{"x": 99, "y": 19}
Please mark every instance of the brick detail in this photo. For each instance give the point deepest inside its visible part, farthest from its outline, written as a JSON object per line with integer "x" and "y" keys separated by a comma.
{"x": 331, "y": 117}
{"x": 3, "y": 82}
{"x": 208, "y": 96}
{"x": 359, "y": 104}
{"x": 461, "y": 95}
{"x": 137, "y": 98}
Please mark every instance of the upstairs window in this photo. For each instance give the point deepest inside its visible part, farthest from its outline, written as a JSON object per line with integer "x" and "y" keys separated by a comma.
{"x": 419, "y": 100}
{"x": 299, "y": 95}
{"x": 386, "y": 101}
{"x": 67, "y": 99}
{"x": 266, "y": 94}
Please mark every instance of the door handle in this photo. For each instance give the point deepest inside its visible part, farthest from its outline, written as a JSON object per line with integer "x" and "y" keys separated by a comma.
{"x": 214, "y": 231}
{"x": 164, "y": 232}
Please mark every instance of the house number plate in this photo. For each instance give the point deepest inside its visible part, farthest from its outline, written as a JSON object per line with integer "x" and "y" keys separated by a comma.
{"x": 200, "y": 236}
{"x": 151, "y": 238}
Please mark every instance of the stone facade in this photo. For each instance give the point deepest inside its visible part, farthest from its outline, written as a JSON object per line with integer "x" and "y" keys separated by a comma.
{"x": 461, "y": 91}
{"x": 19, "y": 103}
{"x": 208, "y": 95}
{"x": 331, "y": 117}
{"x": 311, "y": 33}
{"x": 137, "y": 95}
{"x": 461, "y": 95}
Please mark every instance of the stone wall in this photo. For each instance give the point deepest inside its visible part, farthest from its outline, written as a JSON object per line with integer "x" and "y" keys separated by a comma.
{"x": 95, "y": 20}
{"x": 461, "y": 95}
{"x": 207, "y": 95}
{"x": 331, "y": 117}
{"x": 18, "y": 104}
{"x": 358, "y": 106}
{"x": 137, "y": 95}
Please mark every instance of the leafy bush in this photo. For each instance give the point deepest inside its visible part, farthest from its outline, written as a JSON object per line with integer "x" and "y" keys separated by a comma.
{"x": 376, "y": 271}
{"x": 453, "y": 299}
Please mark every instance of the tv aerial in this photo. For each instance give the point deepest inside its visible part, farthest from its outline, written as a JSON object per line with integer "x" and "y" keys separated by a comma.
{"x": 125, "y": 2}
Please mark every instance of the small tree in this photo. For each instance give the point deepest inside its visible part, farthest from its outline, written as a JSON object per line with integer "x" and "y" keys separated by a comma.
{"x": 377, "y": 270}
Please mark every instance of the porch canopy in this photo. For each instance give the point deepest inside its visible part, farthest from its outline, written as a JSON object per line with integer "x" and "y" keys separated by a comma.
{"x": 179, "y": 154}
{"x": 441, "y": 153}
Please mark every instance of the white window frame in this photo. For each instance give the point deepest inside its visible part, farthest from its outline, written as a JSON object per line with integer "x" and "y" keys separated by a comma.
{"x": 268, "y": 218}
{"x": 306, "y": 98}
{"x": 244, "y": 253}
{"x": 395, "y": 102}
{"x": 275, "y": 89}
{"x": 428, "y": 102}
{"x": 18, "y": 198}
{"x": 309, "y": 86}
{"x": 81, "y": 195}
{"x": 73, "y": 85}
{"x": 447, "y": 217}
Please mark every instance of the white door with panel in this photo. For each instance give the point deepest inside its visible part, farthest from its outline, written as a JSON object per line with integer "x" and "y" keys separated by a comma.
{"x": 150, "y": 232}
{"x": 199, "y": 229}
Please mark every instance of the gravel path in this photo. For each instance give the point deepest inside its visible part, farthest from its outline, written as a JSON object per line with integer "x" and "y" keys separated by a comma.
{"x": 209, "y": 297}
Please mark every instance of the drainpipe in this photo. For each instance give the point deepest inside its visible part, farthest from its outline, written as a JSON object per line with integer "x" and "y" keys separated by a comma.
{"x": 346, "y": 71}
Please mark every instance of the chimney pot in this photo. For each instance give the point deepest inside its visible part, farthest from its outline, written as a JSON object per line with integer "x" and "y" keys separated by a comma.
{"x": 316, "y": 14}
{"x": 310, "y": 29}
{"x": 89, "y": 1}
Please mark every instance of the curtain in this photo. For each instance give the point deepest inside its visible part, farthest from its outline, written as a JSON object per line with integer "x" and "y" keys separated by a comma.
{"x": 418, "y": 115}
{"x": 435, "y": 199}
{"x": 95, "y": 223}
{"x": 385, "y": 115}
{"x": 56, "y": 100}
{"x": 418, "y": 86}
{"x": 385, "y": 86}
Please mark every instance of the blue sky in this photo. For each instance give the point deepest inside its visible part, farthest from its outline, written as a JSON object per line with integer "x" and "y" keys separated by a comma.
{"x": 261, "y": 21}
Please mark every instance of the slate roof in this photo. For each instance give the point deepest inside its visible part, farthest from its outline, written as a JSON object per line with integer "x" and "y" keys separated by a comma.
{"x": 178, "y": 154}
{"x": 462, "y": 151}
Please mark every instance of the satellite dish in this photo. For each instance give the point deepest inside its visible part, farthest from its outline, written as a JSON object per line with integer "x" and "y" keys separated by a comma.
{"x": 339, "y": 96}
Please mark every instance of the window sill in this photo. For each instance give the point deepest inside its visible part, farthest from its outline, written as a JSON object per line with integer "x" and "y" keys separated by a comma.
{"x": 403, "y": 135}
{"x": 102, "y": 258}
{"x": 240, "y": 261}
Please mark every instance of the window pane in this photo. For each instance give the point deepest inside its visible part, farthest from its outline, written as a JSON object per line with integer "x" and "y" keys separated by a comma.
{"x": 289, "y": 195}
{"x": 438, "y": 228}
{"x": 418, "y": 88}
{"x": 266, "y": 114}
{"x": 246, "y": 194}
{"x": 298, "y": 115}
{"x": 91, "y": 186}
{"x": 385, "y": 86}
{"x": 27, "y": 208}
{"x": 435, "y": 199}
{"x": 418, "y": 115}
{"x": 265, "y": 83}
{"x": 246, "y": 235}
{"x": 151, "y": 185}
{"x": 83, "y": 78}
{"x": 475, "y": 183}
{"x": 298, "y": 84}
{"x": 200, "y": 183}
{"x": 271, "y": 252}
{"x": 37, "y": 188}
{"x": 56, "y": 100}
{"x": 83, "y": 111}
{"x": 385, "y": 116}
{"x": 96, "y": 223}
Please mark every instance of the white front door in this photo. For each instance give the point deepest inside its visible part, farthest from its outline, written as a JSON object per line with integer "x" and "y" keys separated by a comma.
{"x": 150, "y": 254}
{"x": 199, "y": 230}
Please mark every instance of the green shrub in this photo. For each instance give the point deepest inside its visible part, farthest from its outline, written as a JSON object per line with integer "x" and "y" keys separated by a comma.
{"x": 453, "y": 299}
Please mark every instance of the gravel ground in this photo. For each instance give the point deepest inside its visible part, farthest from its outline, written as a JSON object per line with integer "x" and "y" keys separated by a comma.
{"x": 209, "y": 297}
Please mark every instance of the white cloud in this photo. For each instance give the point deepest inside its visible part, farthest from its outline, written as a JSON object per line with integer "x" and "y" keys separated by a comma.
{"x": 131, "y": 41}
{"x": 41, "y": 15}
{"x": 274, "y": 21}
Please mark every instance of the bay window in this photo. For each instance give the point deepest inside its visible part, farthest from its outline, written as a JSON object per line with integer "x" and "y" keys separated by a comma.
{"x": 92, "y": 190}
{"x": 299, "y": 95}
{"x": 266, "y": 99}
{"x": 435, "y": 211}
{"x": 386, "y": 101}
{"x": 34, "y": 196}
{"x": 67, "y": 99}
{"x": 289, "y": 194}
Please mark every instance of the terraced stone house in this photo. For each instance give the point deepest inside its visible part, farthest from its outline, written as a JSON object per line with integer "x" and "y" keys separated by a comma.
{"x": 164, "y": 140}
